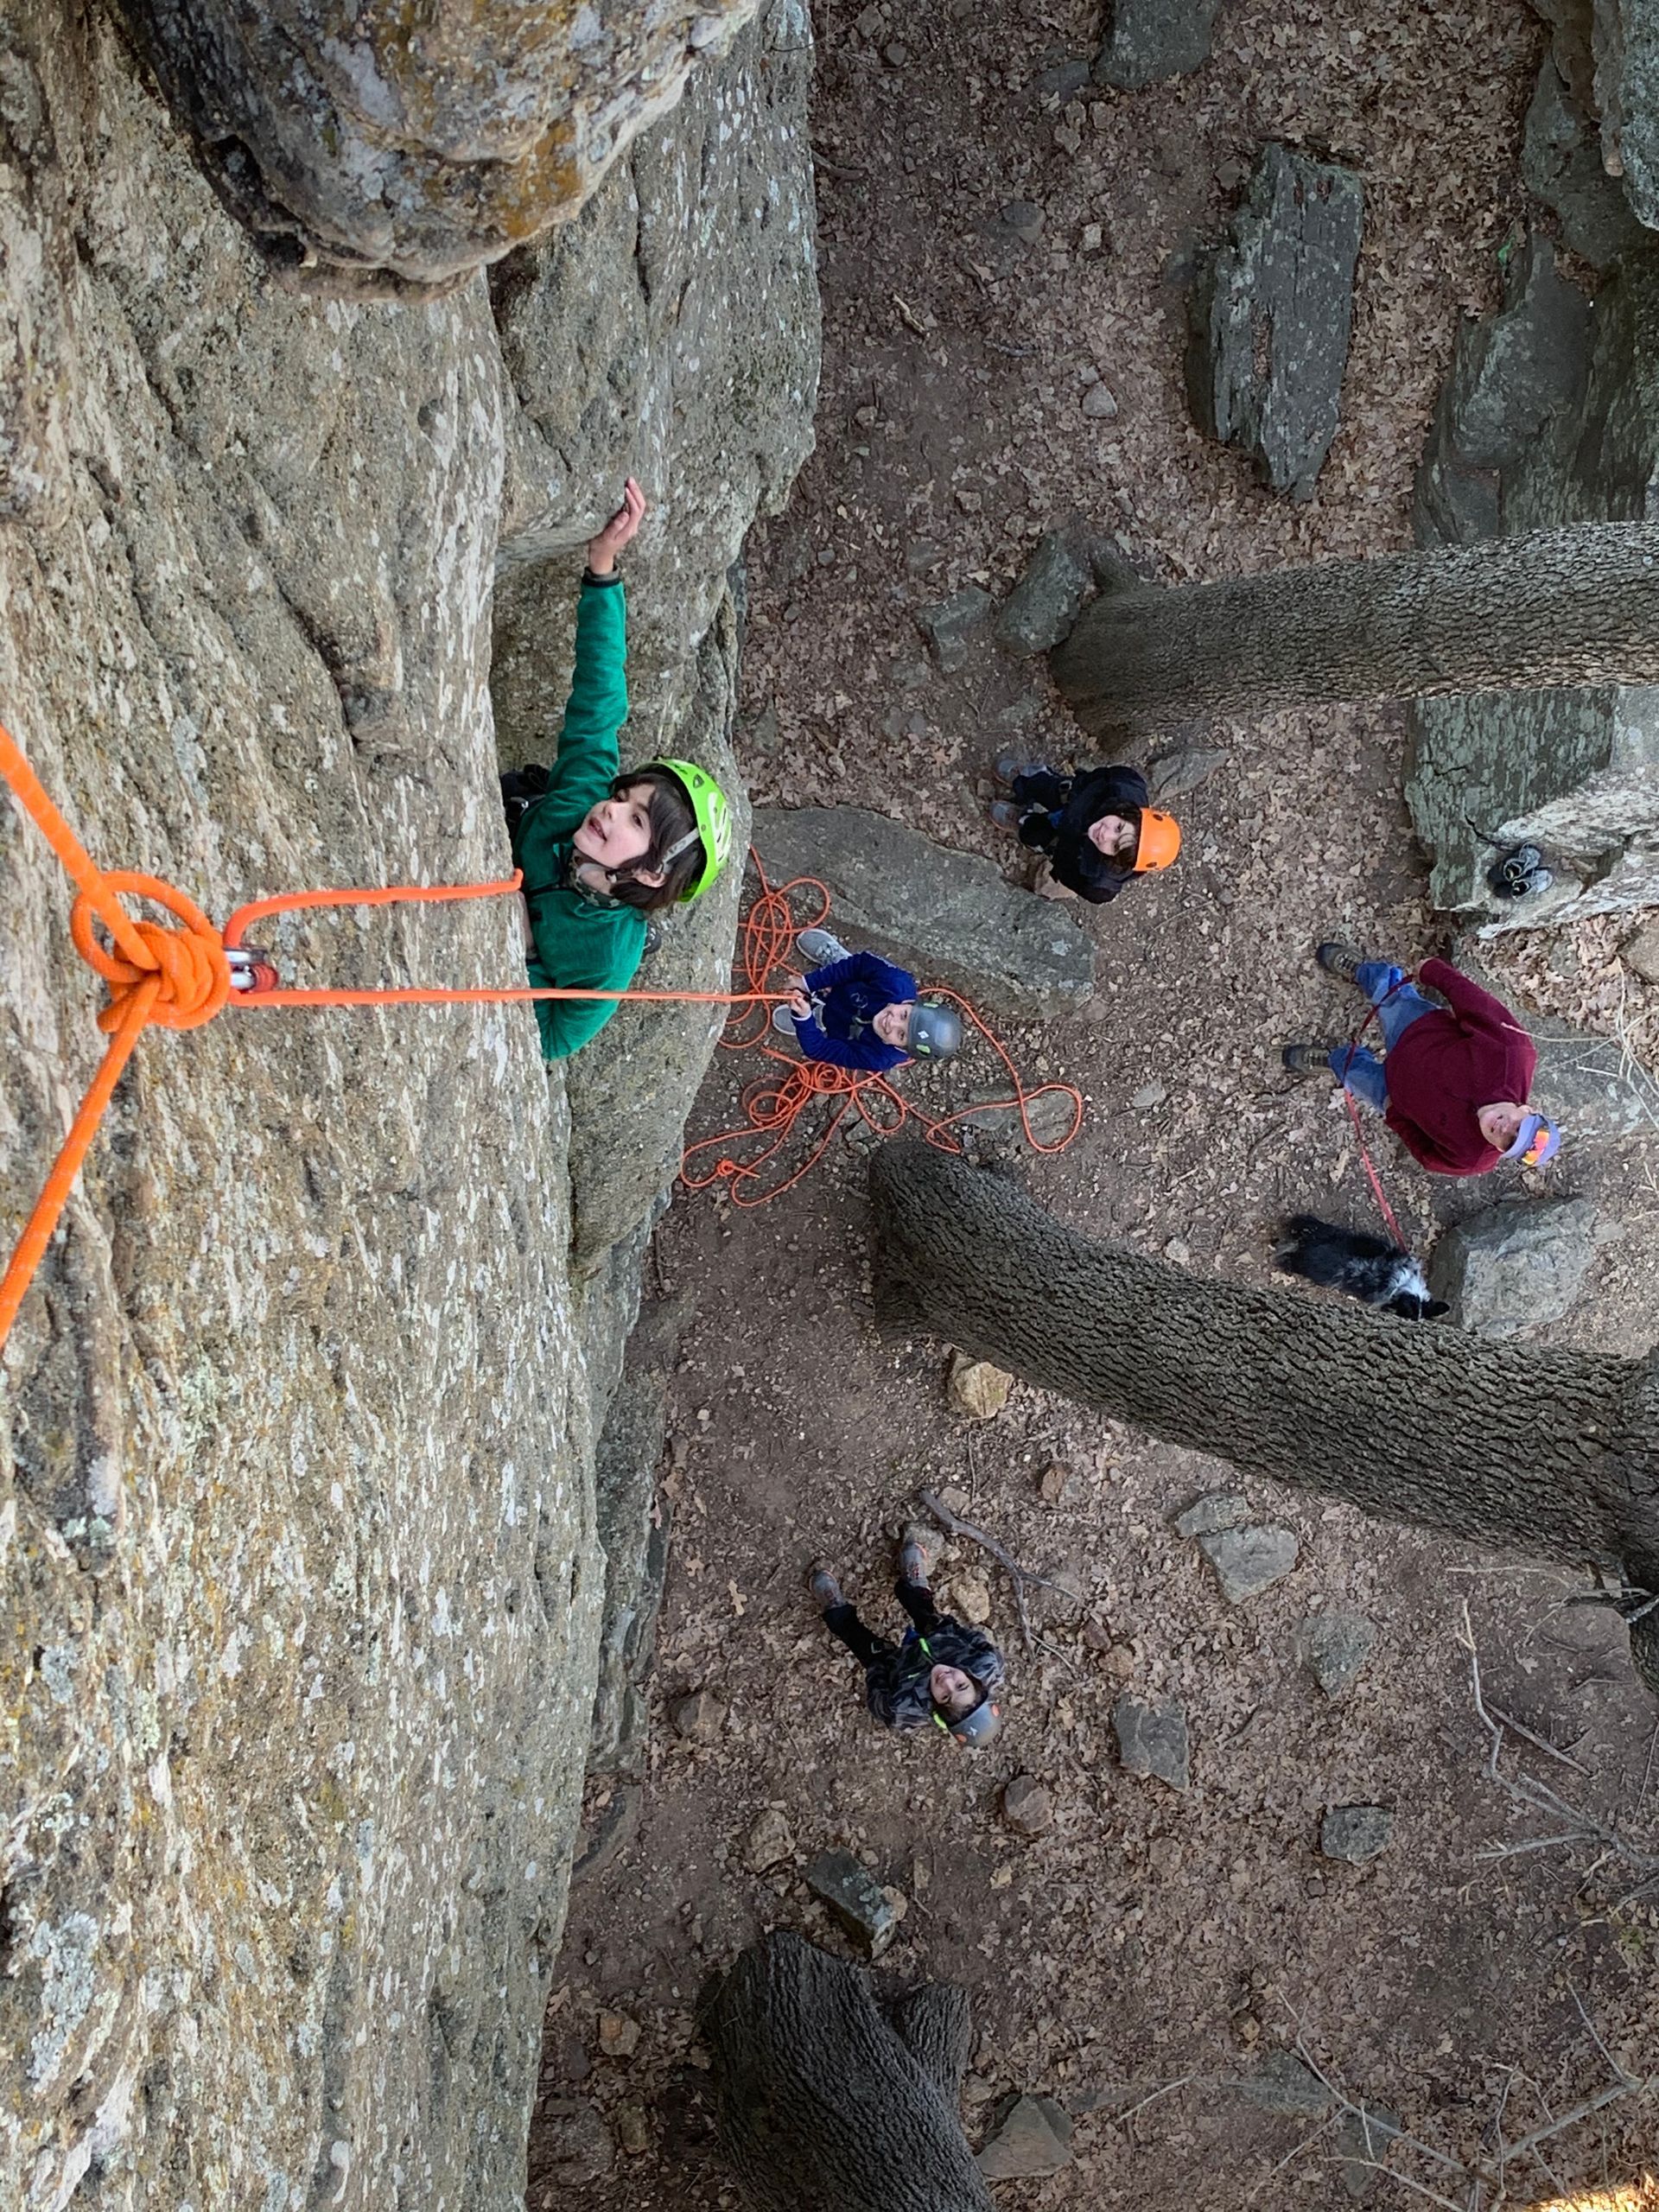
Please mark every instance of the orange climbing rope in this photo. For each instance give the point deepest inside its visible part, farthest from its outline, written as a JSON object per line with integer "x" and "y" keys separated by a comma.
{"x": 772, "y": 1103}
{"x": 180, "y": 978}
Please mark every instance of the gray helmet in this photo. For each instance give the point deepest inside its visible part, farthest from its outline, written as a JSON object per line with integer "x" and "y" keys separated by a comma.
{"x": 933, "y": 1032}
{"x": 976, "y": 1728}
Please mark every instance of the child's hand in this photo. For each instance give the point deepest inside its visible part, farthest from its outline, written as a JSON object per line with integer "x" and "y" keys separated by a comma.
{"x": 621, "y": 530}
{"x": 795, "y": 984}
{"x": 800, "y": 1006}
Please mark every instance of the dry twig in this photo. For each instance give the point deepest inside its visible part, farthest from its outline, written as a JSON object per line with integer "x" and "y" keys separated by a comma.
{"x": 1017, "y": 1574}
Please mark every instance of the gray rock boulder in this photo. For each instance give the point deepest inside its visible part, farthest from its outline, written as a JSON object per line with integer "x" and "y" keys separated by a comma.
{"x": 1152, "y": 1738}
{"x": 1512, "y": 372}
{"x": 1561, "y": 165}
{"x": 1574, "y": 772}
{"x": 857, "y": 1899}
{"x": 1215, "y": 1510}
{"x": 1356, "y": 1833}
{"x": 943, "y": 915}
{"x": 366, "y": 159}
{"x": 1271, "y": 311}
{"x": 1034, "y": 2141}
{"x": 1516, "y": 1265}
{"x": 1171, "y": 775}
{"x": 1043, "y": 605}
{"x": 1147, "y": 40}
{"x": 1334, "y": 1646}
{"x": 1640, "y": 953}
{"x": 951, "y": 626}
{"x": 1247, "y": 1561}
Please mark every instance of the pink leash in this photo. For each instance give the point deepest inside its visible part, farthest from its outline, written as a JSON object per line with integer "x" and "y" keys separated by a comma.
{"x": 1348, "y": 1100}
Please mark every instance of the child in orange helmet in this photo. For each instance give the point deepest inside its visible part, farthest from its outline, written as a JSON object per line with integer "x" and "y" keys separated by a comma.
{"x": 1099, "y": 830}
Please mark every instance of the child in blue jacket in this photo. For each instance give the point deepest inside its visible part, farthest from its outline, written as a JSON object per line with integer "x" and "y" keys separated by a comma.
{"x": 858, "y": 1011}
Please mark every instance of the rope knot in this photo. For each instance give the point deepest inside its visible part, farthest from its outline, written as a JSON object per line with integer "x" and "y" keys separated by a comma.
{"x": 184, "y": 978}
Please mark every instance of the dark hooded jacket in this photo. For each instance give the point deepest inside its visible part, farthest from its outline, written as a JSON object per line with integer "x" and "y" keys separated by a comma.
{"x": 896, "y": 1679}
{"x": 1077, "y": 863}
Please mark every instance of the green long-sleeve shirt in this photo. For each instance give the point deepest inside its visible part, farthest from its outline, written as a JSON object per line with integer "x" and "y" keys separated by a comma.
{"x": 577, "y": 943}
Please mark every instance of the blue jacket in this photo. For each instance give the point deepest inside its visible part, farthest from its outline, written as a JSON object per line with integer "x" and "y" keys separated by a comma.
{"x": 854, "y": 992}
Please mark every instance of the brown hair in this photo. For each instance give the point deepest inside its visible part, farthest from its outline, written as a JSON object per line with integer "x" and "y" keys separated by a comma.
{"x": 671, "y": 818}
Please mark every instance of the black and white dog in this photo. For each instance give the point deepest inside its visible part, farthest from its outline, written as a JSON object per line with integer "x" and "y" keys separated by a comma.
{"x": 1367, "y": 1267}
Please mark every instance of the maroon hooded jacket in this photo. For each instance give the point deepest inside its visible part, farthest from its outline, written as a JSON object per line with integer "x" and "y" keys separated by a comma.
{"x": 1448, "y": 1065}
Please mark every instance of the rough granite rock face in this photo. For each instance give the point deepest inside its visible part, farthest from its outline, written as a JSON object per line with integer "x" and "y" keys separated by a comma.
{"x": 1514, "y": 1265}
{"x": 1576, "y": 772}
{"x": 297, "y": 1541}
{"x": 391, "y": 151}
{"x": 1271, "y": 311}
{"x": 1606, "y": 52}
{"x": 1561, "y": 165}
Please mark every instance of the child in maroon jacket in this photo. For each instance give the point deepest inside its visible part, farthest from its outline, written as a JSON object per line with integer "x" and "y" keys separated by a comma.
{"x": 1454, "y": 1085}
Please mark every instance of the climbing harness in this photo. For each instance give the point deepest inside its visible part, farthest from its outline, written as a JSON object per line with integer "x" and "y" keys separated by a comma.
{"x": 773, "y": 1103}
{"x": 180, "y": 978}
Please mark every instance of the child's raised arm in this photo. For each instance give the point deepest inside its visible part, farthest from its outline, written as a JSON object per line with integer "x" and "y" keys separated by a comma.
{"x": 588, "y": 758}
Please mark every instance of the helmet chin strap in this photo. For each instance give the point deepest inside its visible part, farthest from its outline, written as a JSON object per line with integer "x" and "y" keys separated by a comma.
{"x": 681, "y": 845}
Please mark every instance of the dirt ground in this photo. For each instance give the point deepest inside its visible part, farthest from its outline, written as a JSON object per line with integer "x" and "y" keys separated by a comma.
{"x": 1151, "y": 1946}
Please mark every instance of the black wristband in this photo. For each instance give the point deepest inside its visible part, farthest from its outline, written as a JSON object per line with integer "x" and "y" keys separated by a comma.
{"x": 599, "y": 583}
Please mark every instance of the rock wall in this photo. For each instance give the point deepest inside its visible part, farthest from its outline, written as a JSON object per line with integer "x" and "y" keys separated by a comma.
{"x": 302, "y": 1593}
{"x": 388, "y": 151}
{"x": 1550, "y": 415}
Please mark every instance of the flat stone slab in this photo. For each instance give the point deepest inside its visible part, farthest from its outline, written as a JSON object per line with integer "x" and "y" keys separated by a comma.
{"x": 1272, "y": 308}
{"x": 1282, "y": 2084}
{"x": 1217, "y": 1509}
{"x": 1356, "y": 1833}
{"x": 1333, "y": 1647}
{"x": 1362, "y": 2142}
{"x": 950, "y": 625}
{"x": 1247, "y": 1561}
{"x": 1152, "y": 1739}
{"x": 1034, "y": 2141}
{"x": 945, "y": 916}
{"x": 1516, "y": 1265}
{"x": 855, "y": 1897}
{"x": 1149, "y": 40}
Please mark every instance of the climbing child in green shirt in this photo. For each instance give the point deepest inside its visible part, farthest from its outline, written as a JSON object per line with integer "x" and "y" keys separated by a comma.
{"x": 599, "y": 848}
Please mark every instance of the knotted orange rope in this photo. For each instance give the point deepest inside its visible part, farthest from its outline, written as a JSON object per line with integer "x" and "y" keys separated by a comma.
{"x": 180, "y": 978}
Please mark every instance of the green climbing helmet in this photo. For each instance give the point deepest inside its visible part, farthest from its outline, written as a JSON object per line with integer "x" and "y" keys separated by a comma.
{"x": 713, "y": 818}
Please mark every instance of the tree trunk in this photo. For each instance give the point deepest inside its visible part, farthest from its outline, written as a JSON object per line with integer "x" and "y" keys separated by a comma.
{"x": 1550, "y": 609}
{"x": 827, "y": 2103}
{"x": 1551, "y": 1453}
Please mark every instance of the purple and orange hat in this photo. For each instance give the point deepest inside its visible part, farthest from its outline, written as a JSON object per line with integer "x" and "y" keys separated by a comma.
{"x": 1537, "y": 1140}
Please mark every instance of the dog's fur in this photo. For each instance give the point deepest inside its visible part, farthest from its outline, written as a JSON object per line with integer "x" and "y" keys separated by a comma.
{"x": 1366, "y": 1267}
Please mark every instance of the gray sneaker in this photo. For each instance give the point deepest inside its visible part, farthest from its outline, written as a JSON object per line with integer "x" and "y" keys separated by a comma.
{"x": 1338, "y": 959}
{"x": 1308, "y": 1059}
{"x": 821, "y": 947}
{"x": 783, "y": 1022}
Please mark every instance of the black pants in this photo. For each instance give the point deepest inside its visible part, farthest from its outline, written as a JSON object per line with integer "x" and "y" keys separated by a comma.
{"x": 1042, "y": 794}
{"x": 842, "y": 1622}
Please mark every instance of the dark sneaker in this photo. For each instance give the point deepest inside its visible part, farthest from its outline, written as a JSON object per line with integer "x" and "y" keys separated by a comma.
{"x": 1308, "y": 1059}
{"x": 1006, "y": 815}
{"x": 1338, "y": 959}
{"x": 1008, "y": 766}
{"x": 821, "y": 1579}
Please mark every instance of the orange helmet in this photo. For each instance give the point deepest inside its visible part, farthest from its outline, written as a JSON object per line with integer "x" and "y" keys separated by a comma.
{"x": 1159, "y": 841}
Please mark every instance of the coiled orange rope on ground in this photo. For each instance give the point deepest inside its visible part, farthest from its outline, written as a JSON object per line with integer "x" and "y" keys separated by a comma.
{"x": 773, "y": 1103}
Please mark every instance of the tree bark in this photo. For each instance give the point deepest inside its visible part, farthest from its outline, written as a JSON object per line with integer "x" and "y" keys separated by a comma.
{"x": 1551, "y": 1453}
{"x": 1545, "y": 609}
{"x": 823, "y": 2104}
